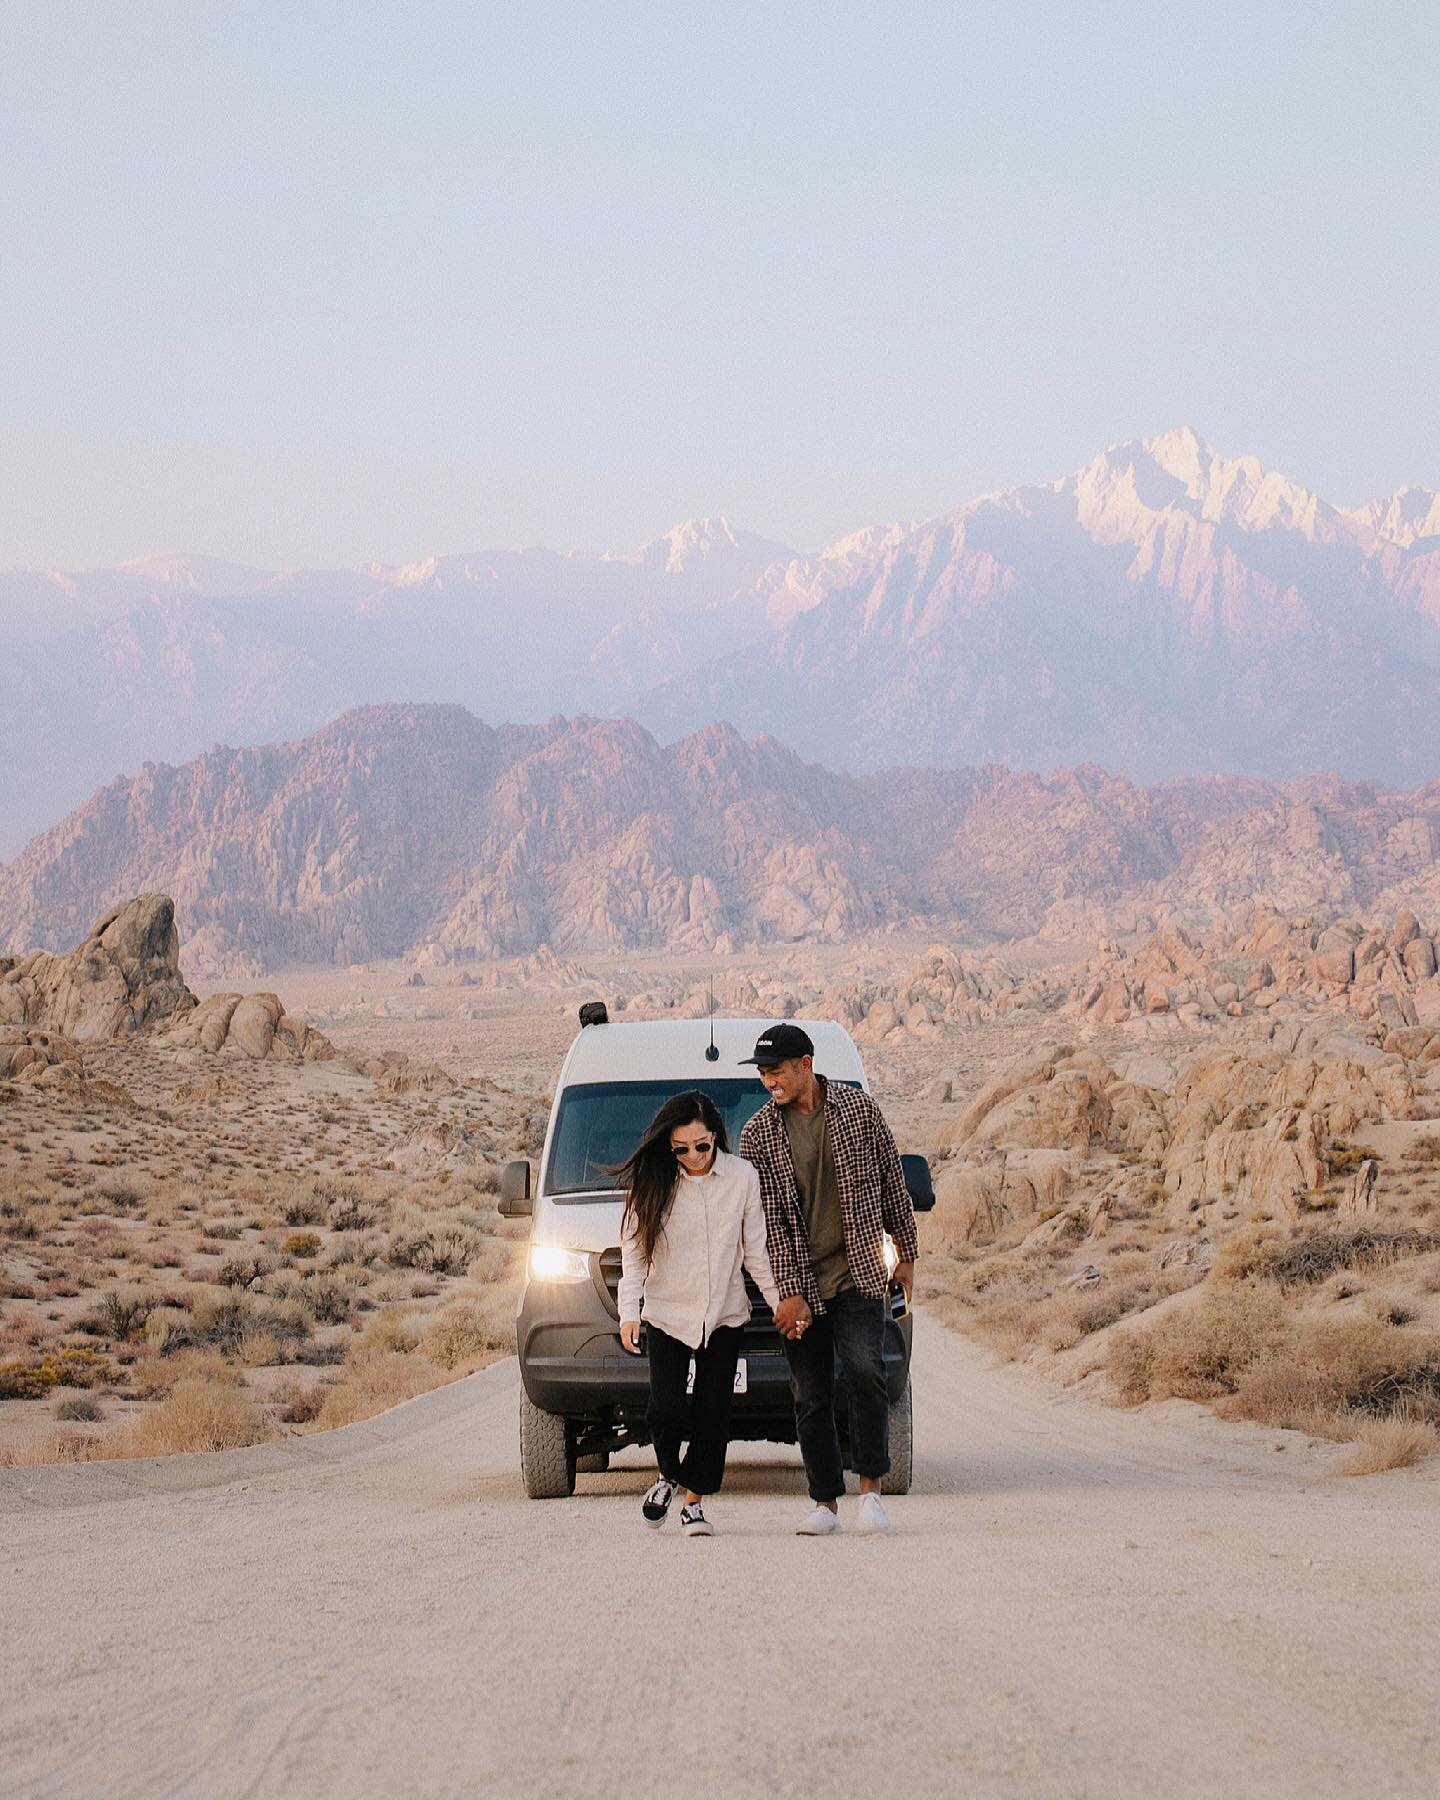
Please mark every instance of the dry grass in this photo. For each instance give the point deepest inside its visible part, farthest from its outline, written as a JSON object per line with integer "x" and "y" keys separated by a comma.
{"x": 1382, "y": 1444}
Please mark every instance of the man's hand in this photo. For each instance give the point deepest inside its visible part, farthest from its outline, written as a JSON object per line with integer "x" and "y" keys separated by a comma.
{"x": 905, "y": 1276}
{"x": 630, "y": 1336}
{"x": 792, "y": 1316}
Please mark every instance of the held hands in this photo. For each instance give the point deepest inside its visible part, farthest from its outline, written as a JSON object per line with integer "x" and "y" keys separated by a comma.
{"x": 630, "y": 1336}
{"x": 792, "y": 1316}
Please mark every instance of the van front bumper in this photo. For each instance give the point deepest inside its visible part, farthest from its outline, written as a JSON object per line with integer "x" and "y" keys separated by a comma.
{"x": 571, "y": 1363}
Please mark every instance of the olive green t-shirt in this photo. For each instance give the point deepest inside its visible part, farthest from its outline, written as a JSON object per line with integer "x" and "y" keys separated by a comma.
{"x": 814, "y": 1158}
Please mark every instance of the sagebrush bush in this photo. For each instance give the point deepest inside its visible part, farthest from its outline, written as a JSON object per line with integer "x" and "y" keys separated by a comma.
{"x": 437, "y": 1245}
{"x": 470, "y": 1331}
{"x": 303, "y": 1206}
{"x": 1199, "y": 1352}
{"x": 197, "y": 1414}
{"x": 79, "y": 1409}
{"x": 303, "y": 1244}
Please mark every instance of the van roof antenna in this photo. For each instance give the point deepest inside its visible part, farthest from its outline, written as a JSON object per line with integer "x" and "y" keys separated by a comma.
{"x": 712, "y": 1054}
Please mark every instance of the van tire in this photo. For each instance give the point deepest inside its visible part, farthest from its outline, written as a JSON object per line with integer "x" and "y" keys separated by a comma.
{"x": 547, "y": 1452}
{"x": 595, "y": 1464}
{"x": 902, "y": 1446}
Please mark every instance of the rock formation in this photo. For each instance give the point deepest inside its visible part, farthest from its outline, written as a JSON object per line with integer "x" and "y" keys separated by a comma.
{"x": 125, "y": 978}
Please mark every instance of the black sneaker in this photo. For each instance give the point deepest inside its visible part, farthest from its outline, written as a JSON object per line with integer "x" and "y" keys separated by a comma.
{"x": 694, "y": 1523}
{"x": 656, "y": 1503}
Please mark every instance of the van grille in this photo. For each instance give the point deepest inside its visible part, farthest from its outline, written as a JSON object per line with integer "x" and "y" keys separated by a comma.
{"x": 762, "y": 1320}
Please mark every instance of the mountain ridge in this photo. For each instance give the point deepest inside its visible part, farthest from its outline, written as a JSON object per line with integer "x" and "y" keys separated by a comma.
{"x": 415, "y": 830}
{"x": 1161, "y": 610}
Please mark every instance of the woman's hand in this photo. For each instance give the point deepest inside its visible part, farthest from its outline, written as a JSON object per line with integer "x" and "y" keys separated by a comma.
{"x": 630, "y": 1336}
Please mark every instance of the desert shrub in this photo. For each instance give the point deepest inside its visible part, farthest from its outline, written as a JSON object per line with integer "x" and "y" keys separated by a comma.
{"x": 373, "y": 1382}
{"x": 33, "y": 1378}
{"x": 303, "y": 1206}
{"x": 197, "y": 1414}
{"x": 79, "y": 1409}
{"x": 219, "y": 1318}
{"x": 258, "y": 1348}
{"x": 329, "y": 1297}
{"x": 394, "y": 1330}
{"x": 153, "y": 1380}
{"x": 1313, "y": 1255}
{"x": 296, "y": 1403}
{"x": 121, "y": 1190}
{"x": 439, "y": 1246}
{"x": 1372, "y": 1366}
{"x": 1063, "y": 1321}
{"x": 122, "y": 1311}
{"x": 471, "y": 1331}
{"x": 245, "y": 1269}
{"x": 1203, "y": 1350}
{"x": 361, "y": 1250}
{"x": 1290, "y": 1398}
{"x": 498, "y": 1260}
{"x": 348, "y": 1212}
{"x": 1248, "y": 1253}
{"x": 168, "y": 1328}
{"x": 303, "y": 1244}
{"x": 1382, "y": 1444}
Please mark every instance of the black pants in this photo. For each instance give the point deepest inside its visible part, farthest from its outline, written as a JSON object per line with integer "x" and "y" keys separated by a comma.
{"x": 851, "y": 1331}
{"x": 700, "y": 1420}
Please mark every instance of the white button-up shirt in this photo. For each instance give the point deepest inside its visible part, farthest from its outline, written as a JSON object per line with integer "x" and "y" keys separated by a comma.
{"x": 715, "y": 1231}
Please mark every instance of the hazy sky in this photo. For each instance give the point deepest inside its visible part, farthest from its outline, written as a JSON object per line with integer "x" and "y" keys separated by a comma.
{"x": 330, "y": 282}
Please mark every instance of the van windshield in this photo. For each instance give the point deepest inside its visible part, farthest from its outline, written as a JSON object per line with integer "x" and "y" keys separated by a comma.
{"x": 600, "y": 1122}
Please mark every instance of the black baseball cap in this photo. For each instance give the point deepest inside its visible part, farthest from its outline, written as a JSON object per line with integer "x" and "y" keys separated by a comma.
{"x": 778, "y": 1044}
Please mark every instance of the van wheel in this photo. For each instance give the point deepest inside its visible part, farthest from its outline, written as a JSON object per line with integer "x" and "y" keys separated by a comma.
{"x": 902, "y": 1446}
{"x": 547, "y": 1452}
{"x": 593, "y": 1465}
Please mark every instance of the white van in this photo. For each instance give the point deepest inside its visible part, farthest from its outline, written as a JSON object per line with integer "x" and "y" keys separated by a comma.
{"x": 582, "y": 1397}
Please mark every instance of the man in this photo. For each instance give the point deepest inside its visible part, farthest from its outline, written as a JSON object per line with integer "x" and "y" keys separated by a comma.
{"x": 832, "y": 1186}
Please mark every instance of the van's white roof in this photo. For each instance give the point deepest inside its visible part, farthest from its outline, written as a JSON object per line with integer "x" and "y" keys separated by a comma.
{"x": 670, "y": 1049}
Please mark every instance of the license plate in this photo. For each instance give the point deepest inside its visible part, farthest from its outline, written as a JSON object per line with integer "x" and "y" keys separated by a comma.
{"x": 742, "y": 1377}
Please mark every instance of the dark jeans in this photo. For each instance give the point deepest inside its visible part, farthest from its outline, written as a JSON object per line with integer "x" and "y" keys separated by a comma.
{"x": 851, "y": 1331}
{"x": 702, "y": 1418}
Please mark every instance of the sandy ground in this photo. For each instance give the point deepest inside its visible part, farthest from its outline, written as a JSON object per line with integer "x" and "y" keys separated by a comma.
{"x": 1074, "y": 1601}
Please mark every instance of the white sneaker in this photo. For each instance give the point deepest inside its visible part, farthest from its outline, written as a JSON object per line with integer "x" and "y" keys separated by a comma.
{"x": 819, "y": 1522}
{"x": 873, "y": 1516}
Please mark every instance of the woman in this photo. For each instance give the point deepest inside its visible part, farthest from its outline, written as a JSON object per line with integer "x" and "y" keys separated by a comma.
{"x": 692, "y": 1223}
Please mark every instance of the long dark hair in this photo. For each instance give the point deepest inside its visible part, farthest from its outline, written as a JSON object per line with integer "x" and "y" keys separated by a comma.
{"x": 650, "y": 1174}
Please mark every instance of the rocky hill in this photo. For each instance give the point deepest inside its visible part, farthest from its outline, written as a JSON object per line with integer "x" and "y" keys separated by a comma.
{"x": 410, "y": 829}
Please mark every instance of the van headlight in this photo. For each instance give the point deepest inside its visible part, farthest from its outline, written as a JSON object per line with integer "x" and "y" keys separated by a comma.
{"x": 550, "y": 1263}
{"x": 891, "y": 1255}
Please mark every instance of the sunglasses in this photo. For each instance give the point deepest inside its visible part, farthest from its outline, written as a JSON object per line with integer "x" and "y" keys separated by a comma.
{"x": 702, "y": 1149}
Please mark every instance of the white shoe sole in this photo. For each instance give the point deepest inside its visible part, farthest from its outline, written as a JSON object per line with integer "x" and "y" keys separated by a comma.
{"x": 817, "y": 1530}
{"x": 872, "y": 1527}
{"x": 698, "y": 1530}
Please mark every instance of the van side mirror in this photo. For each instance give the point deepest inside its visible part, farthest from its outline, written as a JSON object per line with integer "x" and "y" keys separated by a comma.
{"x": 515, "y": 1190}
{"x": 918, "y": 1184}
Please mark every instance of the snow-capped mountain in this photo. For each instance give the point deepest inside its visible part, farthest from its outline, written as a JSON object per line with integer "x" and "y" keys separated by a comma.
{"x": 1162, "y": 610}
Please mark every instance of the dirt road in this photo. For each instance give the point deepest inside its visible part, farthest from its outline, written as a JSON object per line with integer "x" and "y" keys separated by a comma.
{"x": 1073, "y": 1602}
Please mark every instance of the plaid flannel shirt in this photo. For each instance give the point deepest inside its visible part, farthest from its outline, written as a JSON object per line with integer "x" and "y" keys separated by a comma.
{"x": 873, "y": 1196}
